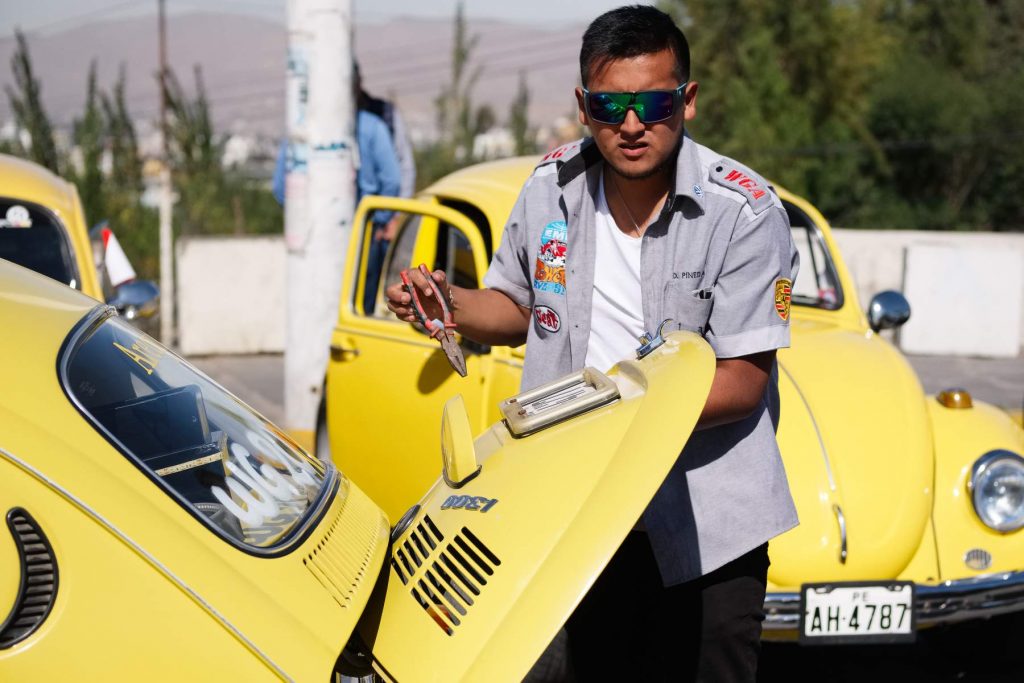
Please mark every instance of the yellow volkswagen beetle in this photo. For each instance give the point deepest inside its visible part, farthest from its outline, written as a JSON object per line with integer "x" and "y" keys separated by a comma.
{"x": 911, "y": 507}
{"x": 43, "y": 227}
{"x": 157, "y": 528}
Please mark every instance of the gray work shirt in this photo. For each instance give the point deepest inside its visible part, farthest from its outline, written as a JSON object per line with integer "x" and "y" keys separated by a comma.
{"x": 720, "y": 261}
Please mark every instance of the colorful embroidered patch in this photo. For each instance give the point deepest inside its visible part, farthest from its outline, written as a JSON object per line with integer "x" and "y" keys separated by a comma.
{"x": 549, "y": 273}
{"x": 547, "y": 318}
{"x": 783, "y": 294}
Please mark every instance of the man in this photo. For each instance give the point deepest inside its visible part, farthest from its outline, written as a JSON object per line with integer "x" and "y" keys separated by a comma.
{"x": 377, "y": 173}
{"x": 613, "y": 234}
{"x": 389, "y": 113}
{"x": 385, "y": 232}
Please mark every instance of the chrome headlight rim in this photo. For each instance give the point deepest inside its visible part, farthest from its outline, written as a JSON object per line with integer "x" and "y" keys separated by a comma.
{"x": 981, "y": 466}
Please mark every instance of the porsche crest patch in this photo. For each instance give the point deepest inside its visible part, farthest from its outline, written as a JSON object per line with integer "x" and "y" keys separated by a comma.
{"x": 783, "y": 294}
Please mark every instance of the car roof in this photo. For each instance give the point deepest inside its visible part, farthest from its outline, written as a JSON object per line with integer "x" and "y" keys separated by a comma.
{"x": 40, "y": 313}
{"x": 30, "y": 182}
{"x": 491, "y": 186}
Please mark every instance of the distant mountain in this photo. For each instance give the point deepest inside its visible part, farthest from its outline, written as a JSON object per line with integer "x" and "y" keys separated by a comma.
{"x": 243, "y": 66}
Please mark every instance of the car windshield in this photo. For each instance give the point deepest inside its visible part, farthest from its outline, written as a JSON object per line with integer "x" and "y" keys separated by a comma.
{"x": 34, "y": 238}
{"x": 223, "y": 462}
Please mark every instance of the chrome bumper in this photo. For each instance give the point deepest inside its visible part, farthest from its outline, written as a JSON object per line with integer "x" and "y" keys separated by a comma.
{"x": 949, "y": 602}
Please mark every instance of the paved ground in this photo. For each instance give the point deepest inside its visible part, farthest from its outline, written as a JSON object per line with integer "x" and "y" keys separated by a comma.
{"x": 259, "y": 380}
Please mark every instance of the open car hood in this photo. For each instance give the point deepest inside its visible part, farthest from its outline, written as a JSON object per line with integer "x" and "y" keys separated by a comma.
{"x": 483, "y": 577}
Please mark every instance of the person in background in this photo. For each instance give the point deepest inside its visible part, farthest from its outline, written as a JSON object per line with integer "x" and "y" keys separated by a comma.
{"x": 378, "y": 173}
{"x": 389, "y": 113}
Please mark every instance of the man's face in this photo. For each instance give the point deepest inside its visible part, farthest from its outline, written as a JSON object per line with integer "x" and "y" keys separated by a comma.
{"x": 632, "y": 148}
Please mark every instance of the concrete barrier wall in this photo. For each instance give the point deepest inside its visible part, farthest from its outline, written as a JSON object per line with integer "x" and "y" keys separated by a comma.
{"x": 231, "y": 295}
{"x": 231, "y": 290}
{"x": 965, "y": 288}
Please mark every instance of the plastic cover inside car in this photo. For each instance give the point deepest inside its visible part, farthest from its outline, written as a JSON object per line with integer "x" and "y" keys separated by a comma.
{"x": 227, "y": 465}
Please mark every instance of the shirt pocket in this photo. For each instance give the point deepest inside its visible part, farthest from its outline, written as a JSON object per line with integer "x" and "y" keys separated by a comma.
{"x": 687, "y": 308}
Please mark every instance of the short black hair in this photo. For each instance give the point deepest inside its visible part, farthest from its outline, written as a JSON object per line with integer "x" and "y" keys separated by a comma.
{"x": 632, "y": 31}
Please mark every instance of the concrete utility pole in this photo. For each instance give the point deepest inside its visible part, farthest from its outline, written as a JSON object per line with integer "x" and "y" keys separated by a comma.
{"x": 319, "y": 196}
{"x": 166, "y": 245}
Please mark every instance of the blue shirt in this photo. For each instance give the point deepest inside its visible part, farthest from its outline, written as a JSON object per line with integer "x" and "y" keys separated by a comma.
{"x": 378, "y": 171}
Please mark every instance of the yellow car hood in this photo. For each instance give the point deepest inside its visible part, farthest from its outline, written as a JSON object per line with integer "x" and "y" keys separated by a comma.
{"x": 858, "y": 456}
{"x": 561, "y": 502}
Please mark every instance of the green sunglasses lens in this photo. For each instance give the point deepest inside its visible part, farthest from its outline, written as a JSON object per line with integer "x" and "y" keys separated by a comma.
{"x": 609, "y": 107}
{"x": 650, "y": 106}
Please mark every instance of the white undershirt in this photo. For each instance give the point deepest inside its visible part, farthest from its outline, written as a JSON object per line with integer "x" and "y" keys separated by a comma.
{"x": 617, "y": 314}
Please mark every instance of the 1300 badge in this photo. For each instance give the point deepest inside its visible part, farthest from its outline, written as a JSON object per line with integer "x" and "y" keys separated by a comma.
{"x": 478, "y": 503}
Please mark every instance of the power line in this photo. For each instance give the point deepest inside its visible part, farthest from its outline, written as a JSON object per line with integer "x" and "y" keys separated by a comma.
{"x": 99, "y": 11}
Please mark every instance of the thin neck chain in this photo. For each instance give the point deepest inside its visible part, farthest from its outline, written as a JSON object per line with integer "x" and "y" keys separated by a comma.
{"x": 636, "y": 225}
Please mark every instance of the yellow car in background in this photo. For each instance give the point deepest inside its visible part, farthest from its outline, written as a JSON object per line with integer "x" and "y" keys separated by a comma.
{"x": 43, "y": 228}
{"x": 911, "y": 506}
{"x": 157, "y": 528}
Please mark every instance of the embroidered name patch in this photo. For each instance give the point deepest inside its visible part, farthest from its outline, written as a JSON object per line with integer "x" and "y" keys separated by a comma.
{"x": 783, "y": 294}
{"x": 547, "y": 318}
{"x": 549, "y": 273}
{"x": 754, "y": 189}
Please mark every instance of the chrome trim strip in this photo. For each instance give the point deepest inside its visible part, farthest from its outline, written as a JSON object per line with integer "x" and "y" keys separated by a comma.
{"x": 67, "y": 495}
{"x": 817, "y": 431}
{"x": 949, "y": 602}
{"x": 841, "y": 518}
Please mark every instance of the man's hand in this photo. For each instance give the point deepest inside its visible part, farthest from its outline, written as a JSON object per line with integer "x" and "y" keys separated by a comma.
{"x": 400, "y": 301}
{"x": 388, "y": 230}
{"x": 487, "y": 316}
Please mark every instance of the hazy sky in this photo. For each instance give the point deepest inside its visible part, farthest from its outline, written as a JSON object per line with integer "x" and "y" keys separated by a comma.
{"x": 57, "y": 15}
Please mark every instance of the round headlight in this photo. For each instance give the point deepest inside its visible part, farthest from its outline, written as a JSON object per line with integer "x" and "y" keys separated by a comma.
{"x": 997, "y": 490}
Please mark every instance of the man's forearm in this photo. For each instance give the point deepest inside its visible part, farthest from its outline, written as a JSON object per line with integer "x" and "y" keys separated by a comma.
{"x": 489, "y": 317}
{"x": 737, "y": 389}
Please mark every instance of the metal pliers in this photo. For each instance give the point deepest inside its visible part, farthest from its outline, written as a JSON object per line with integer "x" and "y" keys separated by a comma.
{"x": 441, "y": 330}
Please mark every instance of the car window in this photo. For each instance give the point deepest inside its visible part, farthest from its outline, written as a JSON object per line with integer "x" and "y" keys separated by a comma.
{"x": 816, "y": 284}
{"x": 421, "y": 239}
{"x": 223, "y": 462}
{"x": 34, "y": 238}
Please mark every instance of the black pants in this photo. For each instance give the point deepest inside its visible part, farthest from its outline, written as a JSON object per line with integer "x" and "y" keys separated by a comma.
{"x": 708, "y": 629}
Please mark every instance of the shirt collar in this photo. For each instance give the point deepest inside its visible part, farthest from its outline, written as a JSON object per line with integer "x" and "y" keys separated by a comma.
{"x": 689, "y": 176}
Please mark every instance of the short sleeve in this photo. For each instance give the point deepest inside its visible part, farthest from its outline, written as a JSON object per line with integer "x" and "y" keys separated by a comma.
{"x": 509, "y": 271}
{"x": 750, "y": 313}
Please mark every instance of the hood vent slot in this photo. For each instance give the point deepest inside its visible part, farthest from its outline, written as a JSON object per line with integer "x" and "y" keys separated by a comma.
{"x": 444, "y": 577}
{"x": 37, "y": 590}
{"x": 359, "y": 524}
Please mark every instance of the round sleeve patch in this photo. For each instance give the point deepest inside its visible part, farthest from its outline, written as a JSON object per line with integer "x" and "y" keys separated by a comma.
{"x": 547, "y": 319}
{"x": 783, "y": 294}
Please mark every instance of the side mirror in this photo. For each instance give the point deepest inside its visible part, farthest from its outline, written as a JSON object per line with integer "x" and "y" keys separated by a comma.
{"x": 888, "y": 310}
{"x": 136, "y": 299}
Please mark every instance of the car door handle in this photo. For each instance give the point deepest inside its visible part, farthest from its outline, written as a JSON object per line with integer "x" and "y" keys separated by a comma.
{"x": 339, "y": 352}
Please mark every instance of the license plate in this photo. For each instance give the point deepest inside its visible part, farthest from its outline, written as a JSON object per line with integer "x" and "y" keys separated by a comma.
{"x": 840, "y": 613}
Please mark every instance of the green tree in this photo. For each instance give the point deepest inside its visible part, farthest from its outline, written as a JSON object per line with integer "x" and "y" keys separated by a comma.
{"x": 458, "y": 122}
{"x": 88, "y": 136}
{"x": 125, "y": 162}
{"x": 212, "y": 200}
{"x": 948, "y": 107}
{"x": 136, "y": 226}
{"x": 29, "y": 114}
{"x": 519, "y": 121}
{"x": 783, "y": 88}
